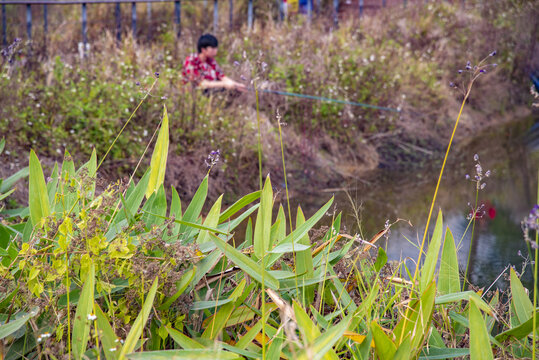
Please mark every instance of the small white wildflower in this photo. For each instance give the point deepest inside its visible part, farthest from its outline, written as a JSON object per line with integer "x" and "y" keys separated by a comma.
{"x": 112, "y": 349}
{"x": 92, "y": 317}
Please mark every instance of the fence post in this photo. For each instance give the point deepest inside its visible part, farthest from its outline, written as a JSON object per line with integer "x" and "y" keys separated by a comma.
{"x": 84, "y": 30}
{"x": 134, "y": 19}
{"x": 361, "y": 8}
{"x": 149, "y": 18}
{"x": 215, "y": 15}
{"x": 230, "y": 13}
{"x": 404, "y": 2}
{"x": 4, "y": 26}
{"x": 29, "y": 21}
{"x": 336, "y": 13}
{"x": 45, "y": 20}
{"x": 281, "y": 10}
{"x": 383, "y": 3}
{"x": 318, "y": 7}
{"x": 178, "y": 18}
{"x": 250, "y": 15}
{"x": 118, "y": 16}
{"x": 310, "y": 10}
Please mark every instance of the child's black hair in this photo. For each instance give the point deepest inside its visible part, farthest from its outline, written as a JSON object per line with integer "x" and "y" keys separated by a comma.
{"x": 207, "y": 40}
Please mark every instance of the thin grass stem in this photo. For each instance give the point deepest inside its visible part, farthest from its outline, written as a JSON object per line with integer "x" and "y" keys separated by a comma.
{"x": 474, "y": 214}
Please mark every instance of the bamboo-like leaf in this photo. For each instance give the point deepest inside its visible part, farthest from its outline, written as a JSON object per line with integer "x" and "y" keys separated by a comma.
{"x": 480, "y": 348}
{"x": 14, "y": 325}
{"x": 38, "y": 197}
{"x": 323, "y": 344}
{"x": 9, "y": 182}
{"x": 209, "y": 304}
{"x": 195, "y": 206}
{"x": 429, "y": 266}
{"x": 403, "y": 351}
{"x": 433, "y": 353}
{"x": 246, "y": 263}
{"x": 301, "y": 231}
{"x": 158, "y": 164}
{"x": 307, "y": 327}
{"x": 208, "y": 343}
{"x": 230, "y": 225}
{"x": 91, "y": 168}
{"x": 463, "y": 321}
{"x": 81, "y": 323}
{"x": 311, "y": 332}
{"x": 67, "y": 174}
{"x": 176, "y": 212}
{"x": 194, "y": 354}
{"x": 183, "y": 340}
{"x": 130, "y": 218}
{"x": 448, "y": 278}
{"x": 464, "y": 295}
{"x": 417, "y": 318}
{"x": 211, "y": 221}
{"x": 52, "y": 185}
{"x": 519, "y": 332}
{"x": 521, "y": 302}
{"x": 133, "y": 199}
{"x": 381, "y": 259}
{"x": 3, "y": 196}
{"x": 248, "y": 235}
{"x": 385, "y": 348}
{"x": 261, "y": 240}
{"x": 304, "y": 260}
{"x": 274, "y": 350}
{"x": 290, "y": 247}
{"x": 280, "y": 231}
{"x": 365, "y": 347}
{"x": 108, "y": 339}
{"x": 136, "y": 330}
{"x": 238, "y": 205}
{"x": 219, "y": 320}
{"x": 155, "y": 209}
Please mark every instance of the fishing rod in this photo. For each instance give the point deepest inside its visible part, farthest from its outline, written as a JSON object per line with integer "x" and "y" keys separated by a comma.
{"x": 322, "y": 98}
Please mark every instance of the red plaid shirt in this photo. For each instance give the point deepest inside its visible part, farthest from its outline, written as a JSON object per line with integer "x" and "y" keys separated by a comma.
{"x": 195, "y": 70}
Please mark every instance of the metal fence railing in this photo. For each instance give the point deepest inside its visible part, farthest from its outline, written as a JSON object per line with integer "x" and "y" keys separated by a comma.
{"x": 310, "y": 5}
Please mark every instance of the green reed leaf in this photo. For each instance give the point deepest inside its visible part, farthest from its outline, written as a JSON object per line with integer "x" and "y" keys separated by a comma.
{"x": 158, "y": 163}
{"x": 82, "y": 323}
{"x": 38, "y": 197}
{"x": 448, "y": 277}
{"x": 480, "y": 348}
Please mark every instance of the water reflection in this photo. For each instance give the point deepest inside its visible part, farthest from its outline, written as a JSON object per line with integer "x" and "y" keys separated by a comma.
{"x": 510, "y": 193}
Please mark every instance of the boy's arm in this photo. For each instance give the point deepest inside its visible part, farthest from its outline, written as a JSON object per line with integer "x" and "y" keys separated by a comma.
{"x": 225, "y": 82}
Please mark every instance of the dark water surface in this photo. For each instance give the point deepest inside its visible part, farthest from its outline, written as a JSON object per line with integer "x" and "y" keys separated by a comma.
{"x": 510, "y": 152}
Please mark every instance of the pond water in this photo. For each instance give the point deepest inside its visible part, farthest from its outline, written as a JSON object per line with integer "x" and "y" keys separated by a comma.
{"x": 510, "y": 152}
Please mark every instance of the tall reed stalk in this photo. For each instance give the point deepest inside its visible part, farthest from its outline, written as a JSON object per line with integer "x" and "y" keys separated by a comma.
{"x": 478, "y": 70}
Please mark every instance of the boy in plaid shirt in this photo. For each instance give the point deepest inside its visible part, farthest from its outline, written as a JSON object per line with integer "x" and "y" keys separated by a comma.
{"x": 203, "y": 71}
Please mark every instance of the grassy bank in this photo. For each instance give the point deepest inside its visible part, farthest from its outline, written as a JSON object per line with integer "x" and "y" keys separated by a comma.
{"x": 403, "y": 59}
{"x": 123, "y": 273}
